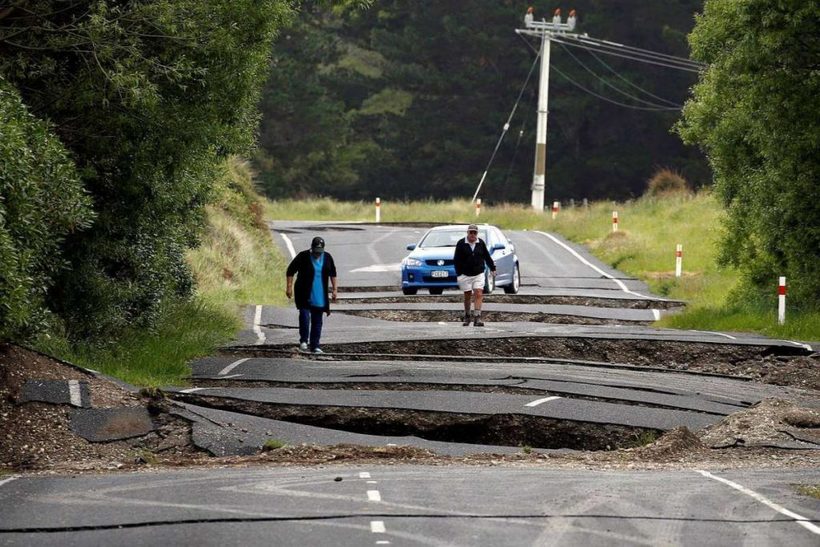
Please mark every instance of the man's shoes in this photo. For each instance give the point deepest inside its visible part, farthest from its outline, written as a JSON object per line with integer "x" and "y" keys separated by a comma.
{"x": 467, "y": 320}
{"x": 303, "y": 346}
{"x": 478, "y": 322}
{"x": 317, "y": 351}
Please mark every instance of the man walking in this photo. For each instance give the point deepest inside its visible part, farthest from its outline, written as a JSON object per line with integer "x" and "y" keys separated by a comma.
{"x": 312, "y": 268}
{"x": 470, "y": 256}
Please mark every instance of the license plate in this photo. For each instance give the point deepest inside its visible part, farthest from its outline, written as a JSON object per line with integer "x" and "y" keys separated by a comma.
{"x": 440, "y": 273}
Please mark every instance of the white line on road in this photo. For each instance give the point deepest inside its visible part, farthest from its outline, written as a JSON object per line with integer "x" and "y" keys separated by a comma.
{"x": 574, "y": 253}
{"x": 801, "y": 520}
{"x": 656, "y": 314}
{"x": 232, "y": 366}
{"x": 192, "y": 389}
{"x": 364, "y": 475}
{"x": 373, "y": 495}
{"x": 7, "y": 480}
{"x": 257, "y": 319}
{"x": 231, "y": 376}
{"x": 723, "y": 334}
{"x": 377, "y": 527}
{"x": 799, "y": 344}
{"x": 372, "y": 482}
{"x": 74, "y": 394}
{"x": 289, "y": 245}
{"x": 541, "y": 401}
{"x": 382, "y": 542}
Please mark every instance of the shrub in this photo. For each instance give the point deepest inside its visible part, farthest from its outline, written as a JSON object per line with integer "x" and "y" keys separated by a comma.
{"x": 665, "y": 182}
{"x": 41, "y": 201}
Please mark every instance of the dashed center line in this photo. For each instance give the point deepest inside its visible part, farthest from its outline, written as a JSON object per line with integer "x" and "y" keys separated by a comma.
{"x": 364, "y": 475}
{"x": 541, "y": 401}
{"x": 799, "y": 519}
{"x": 377, "y": 527}
{"x": 74, "y": 393}
{"x": 192, "y": 389}
{"x": 232, "y": 366}
{"x": 373, "y": 495}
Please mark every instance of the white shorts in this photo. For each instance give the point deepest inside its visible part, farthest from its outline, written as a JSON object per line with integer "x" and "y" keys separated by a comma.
{"x": 471, "y": 282}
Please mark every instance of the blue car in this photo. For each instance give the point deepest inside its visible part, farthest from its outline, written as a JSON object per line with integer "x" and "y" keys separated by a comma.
{"x": 430, "y": 264}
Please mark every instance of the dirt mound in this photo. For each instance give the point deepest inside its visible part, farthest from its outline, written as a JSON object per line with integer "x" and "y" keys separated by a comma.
{"x": 772, "y": 423}
{"x": 672, "y": 445}
{"x": 41, "y": 435}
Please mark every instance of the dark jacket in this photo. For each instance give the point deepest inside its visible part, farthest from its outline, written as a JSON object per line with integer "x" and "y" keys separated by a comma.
{"x": 471, "y": 261}
{"x": 302, "y": 267}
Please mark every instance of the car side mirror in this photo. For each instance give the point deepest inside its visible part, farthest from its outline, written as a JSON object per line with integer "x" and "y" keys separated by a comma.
{"x": 411, "y": 247}
{"x": 499, "y": 247}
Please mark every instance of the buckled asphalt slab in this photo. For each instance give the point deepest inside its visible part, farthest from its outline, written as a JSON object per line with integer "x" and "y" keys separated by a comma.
{"x": 111, "y": 424}
{"x": 58, "y": 392}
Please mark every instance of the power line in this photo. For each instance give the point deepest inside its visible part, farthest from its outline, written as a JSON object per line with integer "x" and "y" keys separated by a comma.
{"x": 649, "y": 60}
{"x": 617, "y": 89}
{"x": 628, "y": 82}
{"x": 633, "y": 50}
{"x": 506, "y": 126}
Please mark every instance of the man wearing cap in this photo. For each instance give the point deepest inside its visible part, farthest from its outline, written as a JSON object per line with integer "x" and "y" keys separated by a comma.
{"x": 312, "y": 268}
{"x": 470, "y": 256}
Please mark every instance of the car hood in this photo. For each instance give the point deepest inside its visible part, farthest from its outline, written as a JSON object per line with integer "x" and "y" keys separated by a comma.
{"x": 434, "y": 253}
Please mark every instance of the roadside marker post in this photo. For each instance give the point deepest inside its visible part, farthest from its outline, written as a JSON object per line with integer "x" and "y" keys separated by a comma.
{"x": 478, "y": 207}
{"x": 614, "y": 221}
{"x": 781, "y": 301}
{"x": 678, "y": 260}
{"x": 378, "y": 210}
{"x": 555, "y": 206}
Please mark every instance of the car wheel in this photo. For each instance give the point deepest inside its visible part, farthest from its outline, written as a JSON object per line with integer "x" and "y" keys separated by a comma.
{"x": 436, "y": 291}
{"x": 513, "y": 287}
{"x": 408, "y": 291}
{"x": 489, "y": 283}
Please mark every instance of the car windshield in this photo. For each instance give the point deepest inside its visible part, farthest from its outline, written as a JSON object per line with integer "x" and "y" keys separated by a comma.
{"x": 446, "y": 238}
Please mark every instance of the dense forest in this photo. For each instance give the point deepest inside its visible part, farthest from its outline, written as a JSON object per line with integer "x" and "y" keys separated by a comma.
{"x": 407, "y": 99}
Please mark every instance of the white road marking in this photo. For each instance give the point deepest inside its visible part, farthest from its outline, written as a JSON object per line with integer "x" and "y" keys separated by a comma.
{"x": 799, "y": 344}
{"x": 7, "y": 480}
{"x": 723, "y": 334}
{"x": 192, "y": 389}
{"x": 382, "y": 542}
{"x": 289, "y": 245}
{"x": 541, "y": 401}
{"x": 257, "y": 318}
{"x": 372, "y": 482}
{"x": 373, "y": 495}
{"x": 364, "y": 475}
{"x": 801, "y": 520}
{"x": 231, "y": 376}
{"x": 378, "y": 268}
{"x": 232, "y": 366}
{"x": 74, "y": 394}
{"x": 656, "y": 314}
{"x": 574, "y": 253}
{"x": 377, "y": 527}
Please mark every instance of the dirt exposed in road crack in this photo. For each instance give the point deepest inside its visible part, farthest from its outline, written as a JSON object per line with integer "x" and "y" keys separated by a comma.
{"x": 491, "y": 316}
{"x": 779, "y": 366}
{"x": 497, "y": 429}
{"x": 501, "y": 298}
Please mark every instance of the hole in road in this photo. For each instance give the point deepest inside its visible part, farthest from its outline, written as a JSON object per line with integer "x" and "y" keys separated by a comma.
{"x": 489, "y": 316}
{"x": 500, "y": 298}
{"x": 495, "y": 430}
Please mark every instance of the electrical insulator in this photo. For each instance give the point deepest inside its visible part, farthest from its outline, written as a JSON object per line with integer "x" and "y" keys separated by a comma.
{"x": 556, "y": 17}
{"x": 571, "y": 20}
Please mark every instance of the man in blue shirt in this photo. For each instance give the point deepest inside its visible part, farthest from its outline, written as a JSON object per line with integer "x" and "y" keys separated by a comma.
{"x": 313, "y": 269}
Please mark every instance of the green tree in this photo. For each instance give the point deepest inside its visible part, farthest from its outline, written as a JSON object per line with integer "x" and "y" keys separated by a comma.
{"x": 148, "y": 97}
{"x": 755, "y": 113}
{"x": 41, "y": 201}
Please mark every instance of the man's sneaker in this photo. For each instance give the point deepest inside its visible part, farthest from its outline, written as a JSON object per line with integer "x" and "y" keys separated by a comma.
{"x": 467, "y": 320}
{"x": 317, "y": 351}
{"x": 303, "y": 346}
{"x": 478, "y": 322}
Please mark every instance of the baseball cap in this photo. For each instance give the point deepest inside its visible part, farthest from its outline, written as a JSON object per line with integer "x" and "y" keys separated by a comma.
{"x": 317, "y": 245}
{"x": 472, "y": 228}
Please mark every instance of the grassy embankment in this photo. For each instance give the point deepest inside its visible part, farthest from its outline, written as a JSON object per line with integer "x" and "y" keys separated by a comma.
{"x": 643, "y": 247}
{"x": 234, "y": 265}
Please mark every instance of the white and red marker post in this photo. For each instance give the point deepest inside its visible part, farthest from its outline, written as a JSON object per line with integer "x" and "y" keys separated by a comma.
{"x": 678, "y": 260}
{"x": 555, "y": 206}
{"x": 614, "y": 221}
{"x": 478, "y": 207}
{"x": 378, "y": 210}
{"x": 781, "y": 301}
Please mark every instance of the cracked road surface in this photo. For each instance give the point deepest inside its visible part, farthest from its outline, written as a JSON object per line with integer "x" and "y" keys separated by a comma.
{"x": 412, "y": 505}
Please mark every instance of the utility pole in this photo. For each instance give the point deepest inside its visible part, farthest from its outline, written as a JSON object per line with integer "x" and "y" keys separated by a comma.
{"x": 545, "y": 31}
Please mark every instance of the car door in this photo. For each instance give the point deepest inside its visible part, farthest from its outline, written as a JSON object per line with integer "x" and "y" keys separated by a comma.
{"x": 504, "y": 262}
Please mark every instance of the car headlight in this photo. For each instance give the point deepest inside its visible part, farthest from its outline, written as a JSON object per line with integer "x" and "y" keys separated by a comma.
{"x": 411, "y": 262}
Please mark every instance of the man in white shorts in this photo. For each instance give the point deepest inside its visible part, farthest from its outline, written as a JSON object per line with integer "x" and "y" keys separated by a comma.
{"x": 469, "y": 259}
